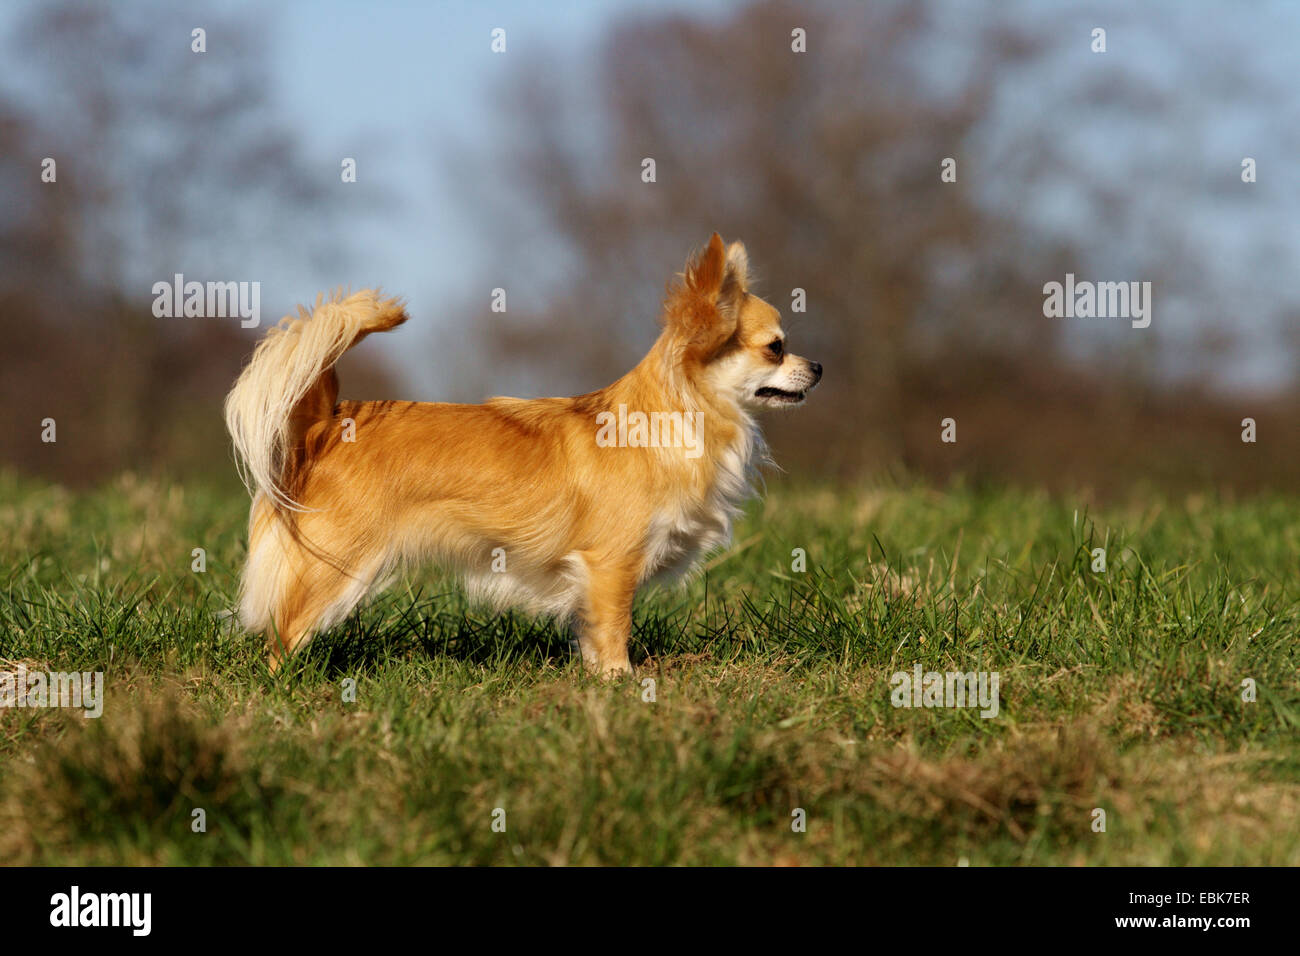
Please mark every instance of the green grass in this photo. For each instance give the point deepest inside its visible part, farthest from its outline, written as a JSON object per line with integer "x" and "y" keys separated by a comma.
{"x": 1120, "y": 691}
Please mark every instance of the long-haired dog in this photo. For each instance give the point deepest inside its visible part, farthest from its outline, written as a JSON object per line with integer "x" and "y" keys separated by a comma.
{"x": 562, "y": 506}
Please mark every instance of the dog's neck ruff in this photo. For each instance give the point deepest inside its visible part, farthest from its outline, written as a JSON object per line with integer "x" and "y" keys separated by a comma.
{"x": 690, "y": 527}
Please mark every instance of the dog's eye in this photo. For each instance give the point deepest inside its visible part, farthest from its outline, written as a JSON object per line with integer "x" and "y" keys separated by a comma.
{"x": 776, "y": 348}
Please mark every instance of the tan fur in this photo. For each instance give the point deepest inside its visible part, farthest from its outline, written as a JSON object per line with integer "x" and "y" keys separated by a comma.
{"x": 582, "y": 526}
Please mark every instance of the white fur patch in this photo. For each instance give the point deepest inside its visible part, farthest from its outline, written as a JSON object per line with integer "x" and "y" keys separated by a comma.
{"x": 679, "y": 537}
{"x": 264, "y": 580}
{"x": 555, "y": 592}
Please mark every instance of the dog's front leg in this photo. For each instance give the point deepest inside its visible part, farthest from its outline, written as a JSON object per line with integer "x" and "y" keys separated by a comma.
{"x": 605, "y": 624}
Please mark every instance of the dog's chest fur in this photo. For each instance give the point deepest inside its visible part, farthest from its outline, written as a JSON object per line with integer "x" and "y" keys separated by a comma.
{"x": 683, "y": 531}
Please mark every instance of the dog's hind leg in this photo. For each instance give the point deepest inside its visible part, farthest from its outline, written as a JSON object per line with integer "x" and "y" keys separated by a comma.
{"x": 320, "y": 597}
{"x": 290, "y": 592}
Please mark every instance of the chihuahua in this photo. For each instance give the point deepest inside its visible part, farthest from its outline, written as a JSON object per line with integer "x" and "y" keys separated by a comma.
{"x": 561, "y": 506}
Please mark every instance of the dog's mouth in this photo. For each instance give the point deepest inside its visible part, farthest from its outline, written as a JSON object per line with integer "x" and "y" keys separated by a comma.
{"x": 779, "y": 396}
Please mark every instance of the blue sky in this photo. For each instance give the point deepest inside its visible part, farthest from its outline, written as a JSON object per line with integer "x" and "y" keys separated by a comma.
{"x": 397, "y": 84}
{"x": 412, "y": 78}
{"x": 417, "y": 76}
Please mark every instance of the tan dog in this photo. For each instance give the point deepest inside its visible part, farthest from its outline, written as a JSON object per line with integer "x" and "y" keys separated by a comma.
{"x": 562, "y": 506}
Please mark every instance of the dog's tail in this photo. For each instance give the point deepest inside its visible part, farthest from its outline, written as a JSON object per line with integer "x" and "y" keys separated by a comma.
{"x": 290, "y": 384}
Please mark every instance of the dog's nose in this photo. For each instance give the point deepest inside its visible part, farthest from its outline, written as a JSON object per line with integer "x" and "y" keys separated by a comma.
{"x": 816, "y": 370}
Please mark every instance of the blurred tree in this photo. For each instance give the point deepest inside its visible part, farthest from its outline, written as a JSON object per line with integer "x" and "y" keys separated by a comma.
{"x": 827, "y": 164}
{"x": 924, "y": 299}
{"x": 168, "y": 161}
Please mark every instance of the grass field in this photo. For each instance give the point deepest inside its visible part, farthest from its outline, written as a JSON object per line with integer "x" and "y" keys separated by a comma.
{"x": 1120, "y": 690}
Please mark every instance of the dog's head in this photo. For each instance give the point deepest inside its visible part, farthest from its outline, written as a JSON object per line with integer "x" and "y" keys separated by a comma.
{"x": 730, "y": 341}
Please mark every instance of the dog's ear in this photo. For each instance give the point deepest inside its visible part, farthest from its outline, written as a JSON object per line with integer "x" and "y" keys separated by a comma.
{"x": 738, "y": 264}
{"x": 705, "y": 307}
